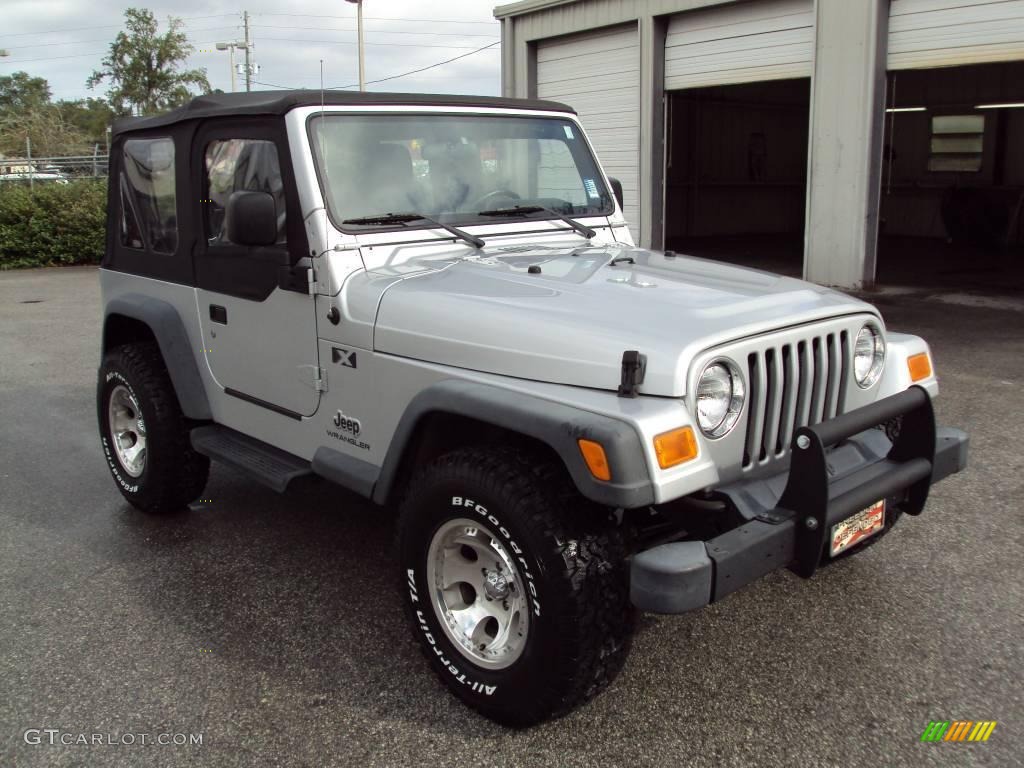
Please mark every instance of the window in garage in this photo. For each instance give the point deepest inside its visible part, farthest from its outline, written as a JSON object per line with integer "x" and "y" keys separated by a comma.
{"x": 957, "y": 143}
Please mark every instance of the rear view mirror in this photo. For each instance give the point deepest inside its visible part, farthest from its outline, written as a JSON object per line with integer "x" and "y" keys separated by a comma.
{"x": 251, "y": 218}
{"x": 617, "y": 190}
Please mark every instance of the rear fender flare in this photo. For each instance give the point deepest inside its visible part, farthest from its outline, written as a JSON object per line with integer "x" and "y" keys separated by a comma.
{"x": 165, "y": 322}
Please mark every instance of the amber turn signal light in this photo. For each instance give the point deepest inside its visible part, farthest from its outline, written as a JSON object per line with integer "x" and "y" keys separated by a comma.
{"x": 675, "y": 447}
{"x": 920, "y": 366}
{"x": 597, "y": 462}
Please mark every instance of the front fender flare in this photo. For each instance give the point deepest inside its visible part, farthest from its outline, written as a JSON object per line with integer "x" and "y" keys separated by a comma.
{"x": 555, "y": 424}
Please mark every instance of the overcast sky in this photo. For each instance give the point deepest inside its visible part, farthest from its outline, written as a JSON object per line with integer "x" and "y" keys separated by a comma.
{"x": 64, "y": 40}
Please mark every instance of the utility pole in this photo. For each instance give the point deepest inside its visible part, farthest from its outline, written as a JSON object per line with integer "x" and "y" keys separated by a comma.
{"x": 248, "y": 61}
{"x": 362, "y": 49}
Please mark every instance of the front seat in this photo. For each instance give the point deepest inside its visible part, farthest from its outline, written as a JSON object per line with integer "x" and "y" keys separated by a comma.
{"x": 387, "y": 180}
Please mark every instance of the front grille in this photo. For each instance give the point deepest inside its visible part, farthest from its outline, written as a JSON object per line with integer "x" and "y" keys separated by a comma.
{"x": 793, "y": 385}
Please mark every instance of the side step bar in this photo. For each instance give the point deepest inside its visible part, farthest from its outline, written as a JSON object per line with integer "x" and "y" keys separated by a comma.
{"x": 264, "y": 463}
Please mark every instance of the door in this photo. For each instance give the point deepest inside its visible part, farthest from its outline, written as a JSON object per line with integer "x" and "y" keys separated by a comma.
{"x": 740, "y": 43}
{"x": 259, "y": 322}
{"x": 598, "y": 74}
{"x": 943, "y": 33}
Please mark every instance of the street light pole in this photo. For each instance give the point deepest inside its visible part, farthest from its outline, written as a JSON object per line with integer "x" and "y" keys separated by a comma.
{"x": 362, "y": 50}
{"x": 230, "y": 47}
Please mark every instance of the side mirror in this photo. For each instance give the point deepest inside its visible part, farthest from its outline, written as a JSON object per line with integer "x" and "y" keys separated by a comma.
{"x": 251, "y": 218}
{"x": 617, "y": 190}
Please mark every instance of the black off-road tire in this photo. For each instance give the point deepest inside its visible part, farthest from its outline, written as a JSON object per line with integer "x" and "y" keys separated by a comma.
{"x": 569, "y": 551}
{"x": 174, "y": 474}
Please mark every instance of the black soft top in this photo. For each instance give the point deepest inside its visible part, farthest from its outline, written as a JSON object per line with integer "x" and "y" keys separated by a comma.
{"x": 280, "y": 102}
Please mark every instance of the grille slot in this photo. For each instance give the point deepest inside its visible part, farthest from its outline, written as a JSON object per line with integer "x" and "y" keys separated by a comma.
{"x": 793, "y": 385}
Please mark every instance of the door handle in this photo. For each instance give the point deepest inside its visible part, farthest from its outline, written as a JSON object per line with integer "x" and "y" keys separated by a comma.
{"x": 218, "y": 314}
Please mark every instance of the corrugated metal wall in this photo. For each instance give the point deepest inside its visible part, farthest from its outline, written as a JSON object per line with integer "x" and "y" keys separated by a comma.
{"x": 597, "y": 74}
{"x": 742, "y": 43}
{"x": 933, "y": 33}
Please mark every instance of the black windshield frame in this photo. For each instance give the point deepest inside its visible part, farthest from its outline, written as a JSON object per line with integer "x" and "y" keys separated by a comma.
{"x": 470, "y": 218}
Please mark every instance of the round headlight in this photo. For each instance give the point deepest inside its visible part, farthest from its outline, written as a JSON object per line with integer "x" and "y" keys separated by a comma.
{"x": 720, "y": 396}
{"x": 868, "y": 356}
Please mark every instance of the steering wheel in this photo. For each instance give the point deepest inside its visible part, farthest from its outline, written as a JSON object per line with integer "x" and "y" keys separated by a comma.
{"x": 484, "y": 201}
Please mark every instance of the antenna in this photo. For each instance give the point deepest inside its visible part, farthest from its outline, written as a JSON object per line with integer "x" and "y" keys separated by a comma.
{"x": 323, "y": 152}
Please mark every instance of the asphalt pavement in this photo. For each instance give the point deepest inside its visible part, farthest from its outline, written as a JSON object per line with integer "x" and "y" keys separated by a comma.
{"x": 271, "y": 625}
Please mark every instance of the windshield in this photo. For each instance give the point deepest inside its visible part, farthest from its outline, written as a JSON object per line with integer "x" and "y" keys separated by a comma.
{"x": 453, "y": 168}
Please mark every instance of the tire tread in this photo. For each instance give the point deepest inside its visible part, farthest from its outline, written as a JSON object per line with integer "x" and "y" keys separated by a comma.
{"x": 180, "y": 474}
{"x": 597, "y": 620}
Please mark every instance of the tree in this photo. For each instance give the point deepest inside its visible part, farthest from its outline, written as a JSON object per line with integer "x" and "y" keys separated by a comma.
{"x": 89, "y": 116}
{"x": 26, "y": 112}
{"x": 21, "y": 91}
{"x": 143, "y": 67}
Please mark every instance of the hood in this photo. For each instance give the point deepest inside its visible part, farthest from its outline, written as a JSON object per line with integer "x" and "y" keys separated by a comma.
{"x": 570, "y": 322}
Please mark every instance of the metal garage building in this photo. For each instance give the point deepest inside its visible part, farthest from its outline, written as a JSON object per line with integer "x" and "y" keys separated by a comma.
{"x": 855, "y": 138}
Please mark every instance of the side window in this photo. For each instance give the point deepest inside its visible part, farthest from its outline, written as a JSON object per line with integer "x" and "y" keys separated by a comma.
{"x": 237, "y": 165}
{"x": 149, "y": 217}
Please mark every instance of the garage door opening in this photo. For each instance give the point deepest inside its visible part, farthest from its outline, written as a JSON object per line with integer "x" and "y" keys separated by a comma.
{"x": 953, "y": 179}
{"x": 736, "y": 173}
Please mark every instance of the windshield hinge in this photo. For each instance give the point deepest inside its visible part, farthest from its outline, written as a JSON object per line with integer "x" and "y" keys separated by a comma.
{"x": 313, "y": 376}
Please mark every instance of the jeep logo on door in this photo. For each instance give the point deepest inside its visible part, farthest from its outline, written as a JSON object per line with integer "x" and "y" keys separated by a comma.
{"x": 347, "y": 424}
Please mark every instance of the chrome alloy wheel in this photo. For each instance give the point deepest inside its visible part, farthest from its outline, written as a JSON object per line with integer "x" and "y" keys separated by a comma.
{"x": 478, "y": 595}
{"x": 127, "y": 430}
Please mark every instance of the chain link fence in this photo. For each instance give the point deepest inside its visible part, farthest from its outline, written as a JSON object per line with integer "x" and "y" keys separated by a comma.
{"x": 53, "y": 170}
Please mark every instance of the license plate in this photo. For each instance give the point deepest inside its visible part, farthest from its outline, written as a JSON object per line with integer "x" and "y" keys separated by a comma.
{"x": 858, "y": 527}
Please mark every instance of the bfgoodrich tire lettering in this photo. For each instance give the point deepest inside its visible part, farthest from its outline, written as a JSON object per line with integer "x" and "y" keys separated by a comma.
{"x": 172, "y": 474}
{"x": 568, "y": 556}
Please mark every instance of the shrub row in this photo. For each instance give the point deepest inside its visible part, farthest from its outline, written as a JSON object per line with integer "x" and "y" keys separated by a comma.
{"x": 52, "y": 224}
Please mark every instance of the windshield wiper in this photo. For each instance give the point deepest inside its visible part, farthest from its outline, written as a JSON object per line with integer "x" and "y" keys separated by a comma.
{"x": 583, "y": 229}
{"x": 405, "y": 218}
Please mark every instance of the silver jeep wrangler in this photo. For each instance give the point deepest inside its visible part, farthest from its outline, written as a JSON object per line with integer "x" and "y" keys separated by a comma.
{"x": 435, "y": 302}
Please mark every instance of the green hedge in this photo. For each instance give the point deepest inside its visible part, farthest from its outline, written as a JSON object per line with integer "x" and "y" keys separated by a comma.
{"x": 53, "y": 224}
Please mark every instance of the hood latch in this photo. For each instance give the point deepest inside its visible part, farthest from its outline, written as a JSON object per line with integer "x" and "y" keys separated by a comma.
{"x": 634, "y": 366}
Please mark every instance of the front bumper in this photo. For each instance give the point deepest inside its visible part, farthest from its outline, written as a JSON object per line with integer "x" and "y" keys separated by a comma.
{"x": 682, "y": 576}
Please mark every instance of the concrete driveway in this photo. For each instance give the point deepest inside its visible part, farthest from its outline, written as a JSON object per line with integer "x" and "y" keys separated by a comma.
{"x": 272, "y": 626}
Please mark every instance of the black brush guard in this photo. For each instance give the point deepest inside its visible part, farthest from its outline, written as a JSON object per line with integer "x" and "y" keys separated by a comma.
{"x": 681, "y": 576}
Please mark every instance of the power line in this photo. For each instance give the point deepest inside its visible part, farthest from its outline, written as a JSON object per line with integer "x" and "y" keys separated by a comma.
{"x": 262, "y": 39}
{"x": 82, "y": 55}
{"x": 83, "y": 42}
{"x": 55, "y": 58}
{"x": 106, "y": 26}
{"x": 391, "y": 77}
{"x": 378, "y": 31}
{"x": 379, "y": 18}
{"x": 392, "y": 45}
{"x": 423, "y": 69}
